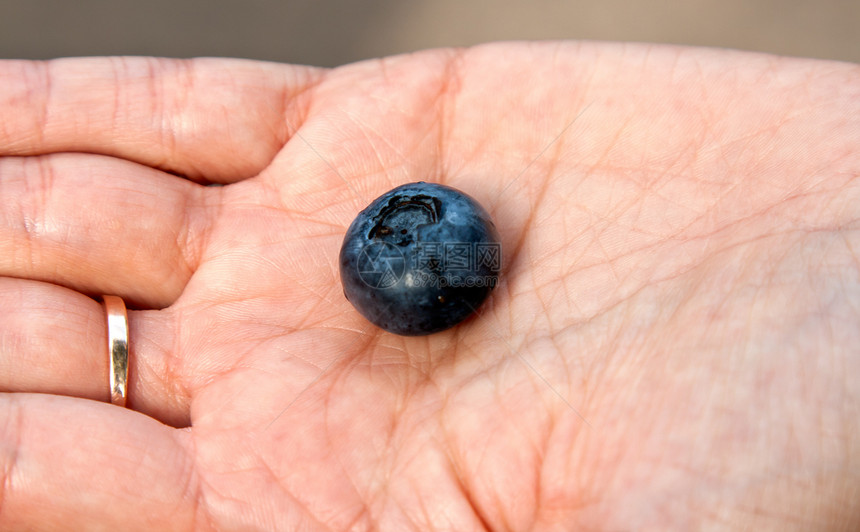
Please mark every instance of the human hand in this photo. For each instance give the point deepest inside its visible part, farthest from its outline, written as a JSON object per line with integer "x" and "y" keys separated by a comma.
{"x": 673, "y": 343}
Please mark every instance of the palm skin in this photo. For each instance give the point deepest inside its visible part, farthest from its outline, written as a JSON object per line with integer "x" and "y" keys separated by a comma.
{"x": 671, "y": 345}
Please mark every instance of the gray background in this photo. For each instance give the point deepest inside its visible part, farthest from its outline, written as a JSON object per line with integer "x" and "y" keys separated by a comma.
{"x": 340, "y": 31}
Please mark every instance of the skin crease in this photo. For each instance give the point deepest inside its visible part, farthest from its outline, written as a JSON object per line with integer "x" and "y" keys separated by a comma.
{"x": 673, "y": 344}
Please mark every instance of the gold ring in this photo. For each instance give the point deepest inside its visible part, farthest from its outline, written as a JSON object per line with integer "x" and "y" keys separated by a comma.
{"x": 117, "y": 329}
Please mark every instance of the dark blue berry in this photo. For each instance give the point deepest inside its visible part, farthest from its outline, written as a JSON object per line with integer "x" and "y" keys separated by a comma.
{"x": 420, "y": 259}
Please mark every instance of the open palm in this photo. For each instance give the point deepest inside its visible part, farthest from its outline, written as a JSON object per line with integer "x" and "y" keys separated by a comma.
{"x": 672, "y": 343}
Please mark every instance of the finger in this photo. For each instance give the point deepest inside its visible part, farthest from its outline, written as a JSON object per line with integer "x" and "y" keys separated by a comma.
{"x": 68, "y": 464}
{"x": 218, "y": 120}
{"x": 101, "y": 225}
{"x": 54, "y": 340}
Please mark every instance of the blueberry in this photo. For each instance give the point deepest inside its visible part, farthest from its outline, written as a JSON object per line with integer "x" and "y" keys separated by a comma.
{"x": 420, "y": 259}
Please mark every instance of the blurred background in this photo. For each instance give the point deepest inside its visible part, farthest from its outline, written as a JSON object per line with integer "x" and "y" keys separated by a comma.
{"x": 330, "y": 33}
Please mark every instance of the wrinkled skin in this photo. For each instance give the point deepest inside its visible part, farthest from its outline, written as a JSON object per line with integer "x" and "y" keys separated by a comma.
{"x": 673, "y": 345}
